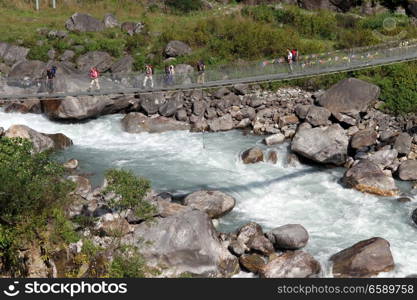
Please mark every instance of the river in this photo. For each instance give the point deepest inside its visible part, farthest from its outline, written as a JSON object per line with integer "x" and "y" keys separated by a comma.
{"x": 272, "y": 195}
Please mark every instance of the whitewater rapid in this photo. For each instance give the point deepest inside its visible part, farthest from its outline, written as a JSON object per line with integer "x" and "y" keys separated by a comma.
{"x": 272, "y": 195}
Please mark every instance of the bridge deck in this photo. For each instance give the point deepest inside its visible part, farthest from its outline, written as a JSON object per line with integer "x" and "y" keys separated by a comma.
{"x": 313, "y": 65}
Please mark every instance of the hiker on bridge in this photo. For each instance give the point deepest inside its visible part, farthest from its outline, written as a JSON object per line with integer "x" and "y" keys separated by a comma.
{"x": 50, "y": 76}
{"x": 169, "y": 75}
{"x": 148, "y": 76}
{"x": 294, "y": 53}
{"x": 201, "y": 69}
{"x": 94, "y": 75}
{"x": 290, "y": 59}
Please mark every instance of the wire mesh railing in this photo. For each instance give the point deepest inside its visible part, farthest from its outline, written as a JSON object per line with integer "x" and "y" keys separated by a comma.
{"x": 186, "y": 77}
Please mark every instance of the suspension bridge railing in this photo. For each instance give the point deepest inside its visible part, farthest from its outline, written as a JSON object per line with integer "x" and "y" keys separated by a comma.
{"x": 275, "y": 69}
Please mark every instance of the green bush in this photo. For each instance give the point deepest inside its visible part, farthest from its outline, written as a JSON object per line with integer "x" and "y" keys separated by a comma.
{"x": 132, "y": 191}
{"x": 32, "y": 193}
{"x": 39, "y": 52}
{"x": 129, "y": 263}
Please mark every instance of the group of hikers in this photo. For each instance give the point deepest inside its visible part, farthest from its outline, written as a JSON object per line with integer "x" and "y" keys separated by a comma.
{"x": 148, "y": 80}
{"x": 169, "y": 79}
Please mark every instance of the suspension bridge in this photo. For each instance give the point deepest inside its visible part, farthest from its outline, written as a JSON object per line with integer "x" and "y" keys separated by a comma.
{"x": 222, "y": 76}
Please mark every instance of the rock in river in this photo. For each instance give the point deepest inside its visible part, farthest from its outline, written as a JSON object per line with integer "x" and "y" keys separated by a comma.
{"x": 367, "y": 177}
{"x": 185, "y": 242}
{"x": 364, "y": 259}
{"x": 214, "y": 203}
{"x": 291, "y": 237}
{"x": 323, "y": 145}
{"x": 138, "y": 123}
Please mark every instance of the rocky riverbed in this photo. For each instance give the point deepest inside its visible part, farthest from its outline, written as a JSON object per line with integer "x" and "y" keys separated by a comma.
{"x": 274, "y": 190}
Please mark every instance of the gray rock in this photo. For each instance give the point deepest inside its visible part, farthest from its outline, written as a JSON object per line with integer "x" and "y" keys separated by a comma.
{"x": 12, "y": 54}
{"x": 383, "y": 158}
{"x": 110, "y": 21}
{"x": 99, "y": 59}
{"x": 388, "y": 136}
{"x": 403, "y": 143}
{"x": 367, "y": 177}
{"x": 290, "y": 237}
{"x": 221, "y": 124}
{"x": 40, "y": 141}
{"x": 221, "y": 92}
{"x": 181, "y": 115}
{"x": 132, "y": 28}
{"x": 322, "y": 145}
{"x": 83, "y": 107}
{"x": 150, "y": 103}
{"x": 123, "y": 65}
{"x": 248, "y": 231}
{"x": 408, "y": 170}
{"x": 291, "y": 264}
{"x": 414, "y": 216}
{"x": 138, "y": 123}
{"x": 67, "y": 55}
{"x": 364, "y": 138}
{"x": 199, "y": 108}
{"x": 344, "y": 119}
{"x": 349, "y": 95}
{"x": 318, "y": 116}
{"x": 79, "y": 22}
{"x": 60, "y": 140}
{"x": 252, "y": 156}
{"x": 27, "y": 106}
{"x": 364, "y": 259}
{"x": 241, "y": 89}
{"x": 302, "y": 111}
{"x": 215, "y": 203}
{"x": 186, "y": 242}
{"x": 169, "y": 108}
{"x": 33, "y": 69}
{"x": 261, "y": 244}
{"x": 274, "y": 139}
{"x": 177, "y": 48}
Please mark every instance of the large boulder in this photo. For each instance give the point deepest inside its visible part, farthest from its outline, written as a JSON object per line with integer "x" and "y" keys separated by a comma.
{"x": 252, "y": 156}
{"x": 291, "y": 264}
{"x": 11, "y": 54}
{"x": 138, "y": 123}
{"x": 123, "y": 65}
{"x": 289, "y": 237}
{"x": 80, "y": 22}
{"x": 214, "y": 203}
{"x": 364, "y": 259}
{"x": 61, "y": 141}
{"x": 185, "y": 242}
{"x": 252, "y": 262}
{"x": 40, "y": 141}
{"x": 28, "y": 68}
{"x": 367, "y": 177}
{"x": 83, "y": 185}
{"x": 132, "y": 28}
{"x": 277, "y": 138}
{"x": 99, "y": 59}
{"x": 26, "y": 106}
{"x": 349, "y": 95}
{"x": 83, "y": 107}
{"x": 323, "y": 145}
{"x": 177, "y": 48}
{"x": 408, "y": 170}
{"x": 364, "y": 138}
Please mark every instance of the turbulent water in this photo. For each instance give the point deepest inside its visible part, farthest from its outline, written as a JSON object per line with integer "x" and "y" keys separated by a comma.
{"x": 271, "y": 195}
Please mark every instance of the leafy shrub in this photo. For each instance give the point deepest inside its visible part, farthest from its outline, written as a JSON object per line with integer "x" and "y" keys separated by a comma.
{"x": 128, "y": 264}
{"x": 132, "y": 191}
{"x": 39, "y": 53}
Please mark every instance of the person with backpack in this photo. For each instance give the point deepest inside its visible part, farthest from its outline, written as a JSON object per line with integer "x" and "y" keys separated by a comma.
{"x": 94, "y": 75}
{"x": 148, "y": 76}
{"x": 169, "y": 75}
{"x": 289, "y": 59}
{"x": 50, "y": 75}
{"x": 294, "y": 53}
{"x": 201, "y": 68}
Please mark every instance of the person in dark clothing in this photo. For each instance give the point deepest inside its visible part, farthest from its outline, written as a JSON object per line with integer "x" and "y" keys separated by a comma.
{"x": 50, "y": 76}
{"x": 201, "y": 68}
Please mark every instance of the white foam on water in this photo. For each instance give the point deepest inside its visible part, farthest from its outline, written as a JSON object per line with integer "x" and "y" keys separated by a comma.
{"x": 271, "y": 195}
